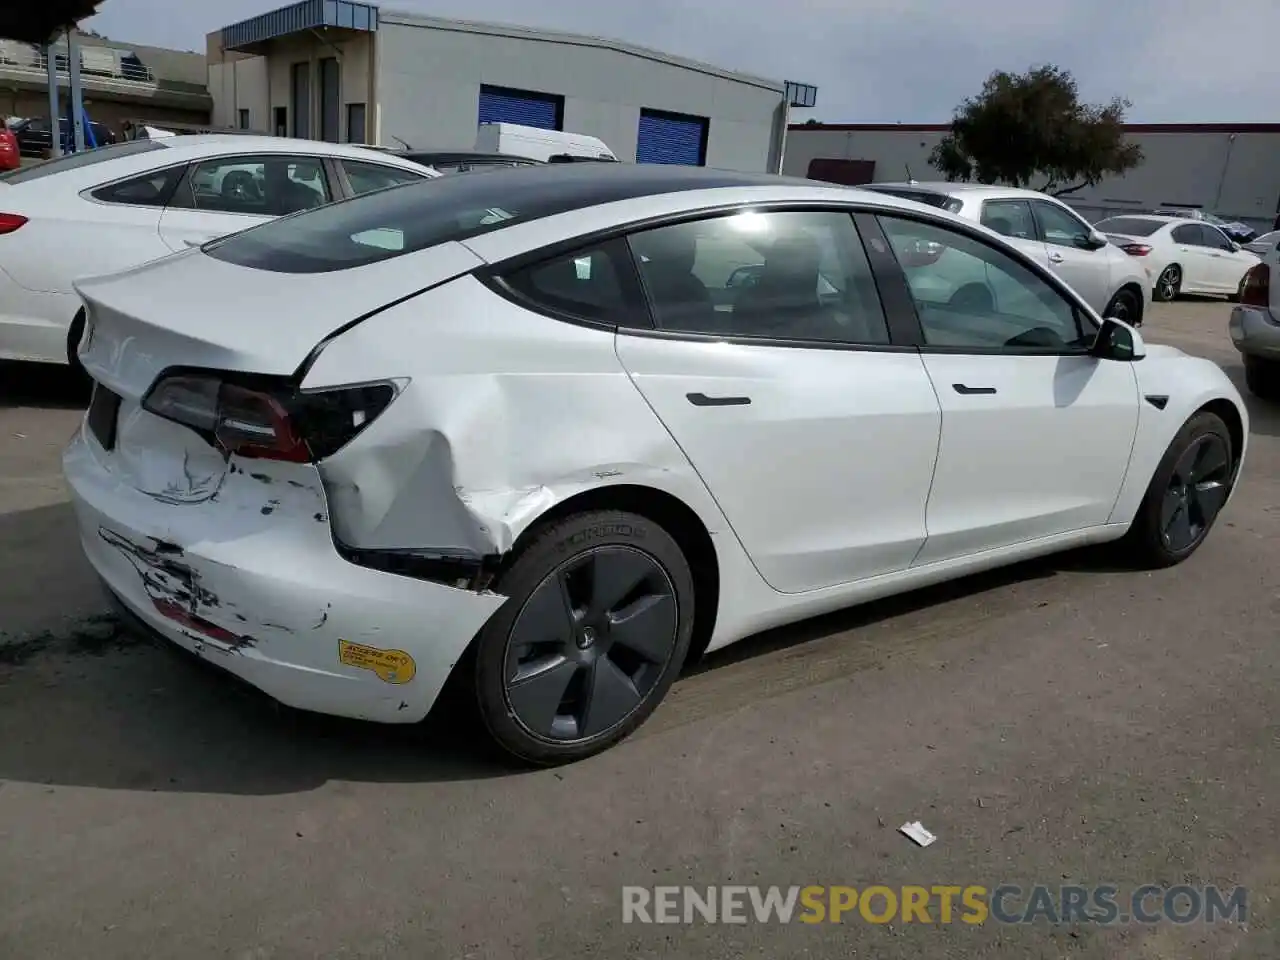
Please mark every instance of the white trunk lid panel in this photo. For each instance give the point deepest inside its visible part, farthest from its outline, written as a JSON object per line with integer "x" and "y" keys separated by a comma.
{"x": 191, "y": 310}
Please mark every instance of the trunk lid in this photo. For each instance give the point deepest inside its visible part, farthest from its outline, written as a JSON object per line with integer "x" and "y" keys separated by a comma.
{"x": 191, "y": 310}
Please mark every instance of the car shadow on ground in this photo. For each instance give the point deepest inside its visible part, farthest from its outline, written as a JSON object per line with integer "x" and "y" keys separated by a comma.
{"x": 41, "y": 385}
{"x": 96, "y": 704}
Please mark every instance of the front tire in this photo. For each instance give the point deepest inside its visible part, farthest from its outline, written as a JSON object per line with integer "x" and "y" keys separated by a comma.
{"x": 595, "y": 630}
{"x": 78, "y": 374}
{"x": 1168, "y": 285}
{"x": 1186, "y": 494}
{"x": 1262, "y": 377}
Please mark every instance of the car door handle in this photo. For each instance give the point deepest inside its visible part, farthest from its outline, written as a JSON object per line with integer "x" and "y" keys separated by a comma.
{"x": 968, "y": 391}
{"x": 702, "y": 400}
{"x": 1056, "y": 258}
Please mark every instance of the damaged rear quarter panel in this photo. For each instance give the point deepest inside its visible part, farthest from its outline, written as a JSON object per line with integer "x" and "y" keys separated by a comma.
{"x": 506, "y": 414}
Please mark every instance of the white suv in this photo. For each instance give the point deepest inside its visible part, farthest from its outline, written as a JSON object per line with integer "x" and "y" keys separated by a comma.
{"x": 1051, "y": 233}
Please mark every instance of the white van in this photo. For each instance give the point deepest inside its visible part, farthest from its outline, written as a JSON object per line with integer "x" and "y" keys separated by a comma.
{"x": 535, "y": 143}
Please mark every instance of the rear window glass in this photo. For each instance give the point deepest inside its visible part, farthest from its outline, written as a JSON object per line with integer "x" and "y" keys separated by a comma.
{"x": 406, "y": 219}
{"x": 940, "y": 200}
{"x": 74, "y": 161}
{"x": 1129, "y": 226}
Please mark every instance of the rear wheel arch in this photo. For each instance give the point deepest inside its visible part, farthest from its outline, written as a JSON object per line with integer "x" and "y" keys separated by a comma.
{"x": 676, "y": 517}
{"x": 1229, "y": 414}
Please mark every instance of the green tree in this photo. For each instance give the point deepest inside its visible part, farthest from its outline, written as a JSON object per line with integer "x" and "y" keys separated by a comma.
{"x": 1031, "y": 130}
{"x": 38, "y": 22}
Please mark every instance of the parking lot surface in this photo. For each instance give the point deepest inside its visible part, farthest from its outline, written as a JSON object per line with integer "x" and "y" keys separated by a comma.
{"x": 1063, "y": 722}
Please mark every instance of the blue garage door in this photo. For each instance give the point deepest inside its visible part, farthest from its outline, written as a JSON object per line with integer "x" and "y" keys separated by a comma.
{"x": 503, "y": 105}
{"x": 671, "y": 138}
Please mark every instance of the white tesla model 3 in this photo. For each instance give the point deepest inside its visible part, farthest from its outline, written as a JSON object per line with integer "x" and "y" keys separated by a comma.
{"x": 555, "y": 431}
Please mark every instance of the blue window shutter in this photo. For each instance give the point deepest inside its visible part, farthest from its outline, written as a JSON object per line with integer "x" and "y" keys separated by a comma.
{"x": 665, "y": 138}
{"x": 514, "y": 106}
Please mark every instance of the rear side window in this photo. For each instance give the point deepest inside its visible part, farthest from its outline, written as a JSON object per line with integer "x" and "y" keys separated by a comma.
{"x": 1129, "y": 226}
{"x": 1188, "y": 233}
{"x": 149, "y": 190}
{"x": 74, "y": 161}
{"x": 596, "y": 283}
{"x": 368, "y": 177}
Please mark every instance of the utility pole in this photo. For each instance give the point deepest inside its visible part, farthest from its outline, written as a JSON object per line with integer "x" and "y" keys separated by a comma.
{"x": 55, "y": 128}
{"x": 77, "y": 94}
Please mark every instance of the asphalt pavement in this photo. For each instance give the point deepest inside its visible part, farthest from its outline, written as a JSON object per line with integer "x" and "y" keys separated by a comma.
{"x": 1061, "y": 722}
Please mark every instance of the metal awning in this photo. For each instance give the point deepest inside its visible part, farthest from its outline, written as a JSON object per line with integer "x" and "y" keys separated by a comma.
{"x": 247, "y": 36}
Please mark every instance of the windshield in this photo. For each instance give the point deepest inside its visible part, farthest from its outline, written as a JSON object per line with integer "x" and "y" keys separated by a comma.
{"x": 1129, "y": 226}
{"x": 74, "y": 161}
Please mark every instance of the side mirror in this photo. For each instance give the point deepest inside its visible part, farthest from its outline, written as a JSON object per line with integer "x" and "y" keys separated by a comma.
{"x": 1236, "y": 247}
{"x": 1117, "y": 340}
{"x": 1093, "y": 240}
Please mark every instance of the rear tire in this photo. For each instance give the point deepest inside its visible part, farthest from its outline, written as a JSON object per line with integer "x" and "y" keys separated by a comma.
{"x": 1262, "y": 377}
{"x": 1185, "y": 496}
{"x": 1168, "y": 285}
{"x": 596, "y": 628}
{"x": 1126, "y": 306}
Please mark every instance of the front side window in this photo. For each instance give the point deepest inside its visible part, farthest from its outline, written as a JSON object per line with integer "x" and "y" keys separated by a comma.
{"x": 1214, "y": 238}
{"x": 776, "y": 275}
{"x": 368, "y": 177}
{"x": 1009, "y": 218}
{"x": 970, "y": 295}
{"x": 1060, "y": 227}
{"x": 259, "y": 186}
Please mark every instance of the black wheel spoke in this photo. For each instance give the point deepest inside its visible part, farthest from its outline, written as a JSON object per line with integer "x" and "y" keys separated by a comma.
{"x": 615, "y": 575}
{"x": 1208, "y": 499}
{"x": 537, "y": 694}
{"x": 610, "y": 697}
{"x": 546, "y": 617}
{"x": 1178, "y": 532}
{"x": 1210, "y": 461}
{"x": 646, "y": 626}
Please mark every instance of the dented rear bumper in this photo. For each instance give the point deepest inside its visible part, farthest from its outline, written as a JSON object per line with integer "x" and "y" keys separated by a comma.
{"x": 250, "y": 579}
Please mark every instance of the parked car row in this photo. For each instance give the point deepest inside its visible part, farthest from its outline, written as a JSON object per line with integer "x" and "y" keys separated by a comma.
{"x": 1182, "y": 255}
{"x": 553, "y": 432}
{"x": 1048, "y": 231}
{"x": 119, "y": 206}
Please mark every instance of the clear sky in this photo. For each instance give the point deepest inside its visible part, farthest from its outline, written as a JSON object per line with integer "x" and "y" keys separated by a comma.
{"x": 883, "y": 60}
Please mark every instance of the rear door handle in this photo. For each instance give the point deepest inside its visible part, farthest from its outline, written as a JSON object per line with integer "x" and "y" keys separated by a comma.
{"x": 971, "y": 391}
{"x": 702, "y": 400}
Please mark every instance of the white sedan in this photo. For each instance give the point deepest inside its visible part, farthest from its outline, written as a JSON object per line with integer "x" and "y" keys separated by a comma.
{"x": 116, "y": 207}
{"x": 520, "y": 430}
{"x": 1181, "y": 255}
{"x": 1048, "y": 231}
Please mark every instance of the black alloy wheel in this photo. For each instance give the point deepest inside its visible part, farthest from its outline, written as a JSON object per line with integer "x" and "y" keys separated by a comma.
{"x": 596, "y": 629}
{"x": 1186, "y": 494}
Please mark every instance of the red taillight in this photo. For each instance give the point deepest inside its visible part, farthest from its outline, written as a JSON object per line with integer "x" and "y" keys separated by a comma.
{"x": 10, "y": 222}
{"x": 255, "y": 424}
{"x": 268, "y": 420}
{"x": 1136, "y": 249}
{"x": 1255, "y": 290}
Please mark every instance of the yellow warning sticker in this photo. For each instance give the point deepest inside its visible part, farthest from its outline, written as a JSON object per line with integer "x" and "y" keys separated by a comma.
{"x": 393, "y": 666}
